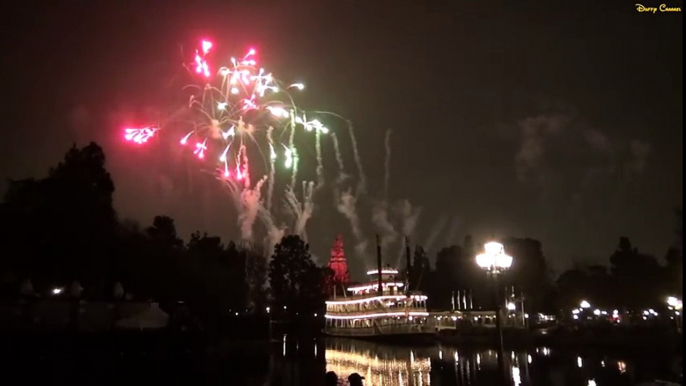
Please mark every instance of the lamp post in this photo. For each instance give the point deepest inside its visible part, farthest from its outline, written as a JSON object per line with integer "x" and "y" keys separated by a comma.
{"x": 494, "y": 261}
{"x": 676, "y": 306}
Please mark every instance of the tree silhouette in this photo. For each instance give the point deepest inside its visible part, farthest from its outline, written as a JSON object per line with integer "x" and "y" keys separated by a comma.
{"x": 256, "y": 278}
{"x": 296, "y": 283}
{"x": 529, "y": 273}
{"x": 218, "y": 288}
{"x": 163, "y": 233}
{"x": 636, "y": 277}
{"x": 420, "y": 275}
{"x": 446, "y": 278}
{"x": 65, "y": 223}
{"x": 674, "y": 271}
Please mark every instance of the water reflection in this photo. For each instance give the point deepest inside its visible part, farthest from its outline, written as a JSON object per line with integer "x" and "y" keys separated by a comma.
{"x": 379, "y": 365}
{"x": 300, "y": 363}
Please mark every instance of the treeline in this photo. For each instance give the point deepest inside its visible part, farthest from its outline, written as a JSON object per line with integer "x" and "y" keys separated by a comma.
{"x": 63, "y": 229}
{"x": 632, "y": 280}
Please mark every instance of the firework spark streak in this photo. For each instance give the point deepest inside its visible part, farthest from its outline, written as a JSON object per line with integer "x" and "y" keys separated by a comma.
{"x": 362, "y": 186}
{"x": 387, "y": 163}
{"x": 236, "y": 104}
{"x": 320, "y": 166}
{"x": 272, "y": 171}
{"x": 229, "y": 110}
{"x": 339, "y": 159}
{"x": 140, "y": 135}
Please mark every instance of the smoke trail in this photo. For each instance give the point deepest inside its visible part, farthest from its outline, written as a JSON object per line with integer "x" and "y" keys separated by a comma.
{"x": 307, "y": 209}
{"x": 346, "y": 206}
{"x": 250, "y": 203}
{"x": 291, "y": 204}
{"x": 274, "y": 233}
{"x": 387, "y": 163}
{"x": 294, "y": 152}
{"x": 409, "y": 216}
{"x": 270, "y": 188}
{"x": 301, "y": 213}
{"x": 435, "y": 231}
{"x": 451, "y": 235}
{"x": 380, "y": 220}
{"x": 320, "y": 167}
{"x": 339, "y": 159}
{"x": 380, "y": 208}
{"x": 362, "y": 186}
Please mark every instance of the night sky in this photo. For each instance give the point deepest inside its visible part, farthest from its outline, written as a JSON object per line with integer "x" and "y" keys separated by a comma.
{"x": 557, "y": 122}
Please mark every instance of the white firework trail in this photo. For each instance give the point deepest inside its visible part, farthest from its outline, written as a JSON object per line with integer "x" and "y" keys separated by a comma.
{"x": 387, "y": 163}
{"x": 272, "y": 171}
{"x": 346, "y": 205}
{"x": 294, "y": 152}
{"x": 362, "y": 186}
{"x": 320, "y": 167}
{"x": 339, "y": 159}
{"x": 250, "y": 201}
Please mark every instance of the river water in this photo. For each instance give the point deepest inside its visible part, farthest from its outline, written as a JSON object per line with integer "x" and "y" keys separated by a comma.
{"x": 291, "y": 362}
{"x": 304, "y": 363}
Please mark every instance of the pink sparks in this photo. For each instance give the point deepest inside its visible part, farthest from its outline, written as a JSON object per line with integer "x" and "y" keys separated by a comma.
{"x": 139, "y": 135}
{"x": 206, "y": 46}
{"x": 201, "y": 66}
{"x": 227, "y": 174}
{"x": 184, "y": 140}
{"x": 249, "y": 104}
{"x": 200, "y": 149}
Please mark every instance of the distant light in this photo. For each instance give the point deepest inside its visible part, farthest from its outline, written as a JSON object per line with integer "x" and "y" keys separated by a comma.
{"x": 511, "y": 306}
{"x": 576, "y": 317}
{"x": 315, "y": 314}
{"x": 575, "y": 311}
{"x": 299, "y": 86}
{"x": 585, "y": 304}
{"x": 596, "y": 312}
{"x": 674, "y": 302}
{"x": 579, "y": 362}
{"x": 526, "y": 316}
{"x": 56, "y": 291}
{"x": 494, "y": 257}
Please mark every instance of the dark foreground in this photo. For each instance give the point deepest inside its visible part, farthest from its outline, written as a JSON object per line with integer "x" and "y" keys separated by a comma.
{"x": 184, "y": 358}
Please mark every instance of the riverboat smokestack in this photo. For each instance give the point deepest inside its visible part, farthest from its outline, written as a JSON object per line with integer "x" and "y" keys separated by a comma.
{"x": 378, "y": 262}
{"x": 409, "y": 265}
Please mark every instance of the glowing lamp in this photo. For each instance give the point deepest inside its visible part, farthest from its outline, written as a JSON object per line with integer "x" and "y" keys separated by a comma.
{"x": 511, "y": 306}
{"x": 674, "y": 302}
{"x": 494, "y": 258}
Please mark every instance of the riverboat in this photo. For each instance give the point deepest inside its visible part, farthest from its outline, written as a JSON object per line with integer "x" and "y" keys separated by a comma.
{"x": 381, "y": 306}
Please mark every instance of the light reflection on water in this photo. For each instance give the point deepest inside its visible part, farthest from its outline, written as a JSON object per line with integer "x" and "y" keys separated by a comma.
{"x": 384, "y": 365}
